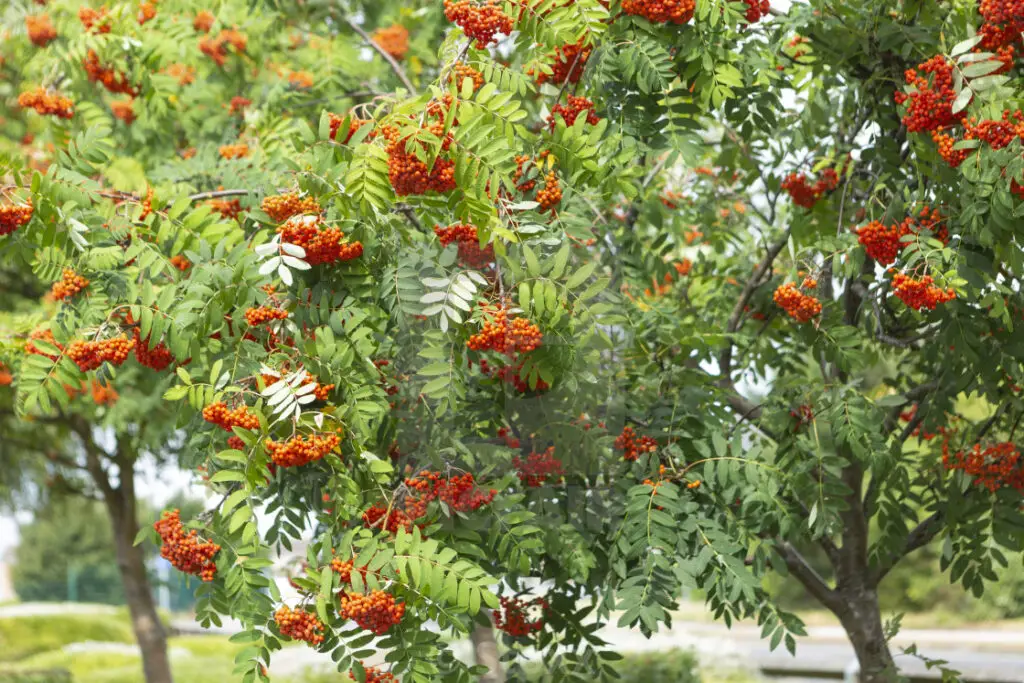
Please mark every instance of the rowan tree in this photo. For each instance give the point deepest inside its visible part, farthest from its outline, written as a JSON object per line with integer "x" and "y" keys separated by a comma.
{"x": 625, "y": 297}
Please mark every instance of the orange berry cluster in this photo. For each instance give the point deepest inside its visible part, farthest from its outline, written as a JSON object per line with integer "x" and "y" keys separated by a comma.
{"x": 538, "y": 468}
{"x": 70, "y": 284}
{"x": 281, "y": 207}
{"x": 184, "y": 550}
{"x": 801, "y": 307}
{"x": 377, "y": 612}
{"x": 459, "y": 493}
{"x": 355, "y": 123}
{"x": 94, "y": 20}
{"x": 343, "y": 568}
{"x": 393, "y": 39}
{"x": 995, "y": 467}
{"x": 157, "y": 358}
{"x": 480, "y": 20}
{"x": 300, "y": 80}
{"x": 463, "y": 71}
{"x": 568, "y": 63}
{"x": 236, "y": 151}
{"x": 570, "y": 111}
{"x": 661, "y": 11}
{"x": 203, "y": 21}
{"x": 264, "y": 314}
{"x": 514, "y": 616}
{"x": 1004, "y": 22}
{"x": 230, "y": 209}
{"x": 299, "y": 451}
{"x": 40, "y": 29}
{"x": 466, "y": 236}
{"x": 218, "y": 414}
{"x": 13, "y": 216}
{"x": 42, "y": 335}
{"x": 299, "y": 625}
{"x": 884, "y": 244}
{"x": 6, "y": 378}
{"x": 519, "y": 336}
{"x": 216, "y": 48}
{"x": 123, "y": 110}
{"x": 46, "y": 103}
{"x": 102, "y": 395}
{"x": 920, "y": 293}
{"x": 409, "y": 174}
{"x": 110, "y": 78}
{"x": 147, "y": 12}
{"x": 375, "y": 675}
{"x": 633, "y": 445}
{"x": 806, "y": 194}
{"x": 322, "y": 244}
{"x": 550, "y": 195}
{"x": 930, "y": 104}
{"x": 89, "y": 355}
{"x": 997, "y": 134}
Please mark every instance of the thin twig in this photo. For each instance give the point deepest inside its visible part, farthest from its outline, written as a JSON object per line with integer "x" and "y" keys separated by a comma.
{"x": 395, "y": 66}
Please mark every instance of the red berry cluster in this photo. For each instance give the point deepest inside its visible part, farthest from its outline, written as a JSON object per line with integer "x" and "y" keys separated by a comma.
{"x": 228, "y": 208}
{"x": 997, "y": 134}
{"x": 42, "y": 335}
{"x": 299, "y": 625}
{"x": 930, "y": 103}
{"x": 408, "y": 173}
{"x": 94, "y": 20}
{"x": 264, "y": 314}
{"x": 550, "y": 195}
{"x": 1004, "y": 22}
{"x": 396, "y": 519}
{"x": 157, "y": 358}
{"x": 46, "y": 103}
{"x": 40, "y": 29}
{"x": 757, "y": 10}
{"x": 661, "y": 11}
{"x": 514, "y": 616}
{"x": 218, "y": 414}
{"x": 281, "y": 207}
{"x": 375, "y": 675}
{"x": 216, "y": 47}
{"x": 498, "y": 334}
{"x": 513, "y": 375}
{"x": 506, "y": 434}
{"x": 354, "y": 124}
{"x": 110, "y": 78}
{"x": 299, "y": 451}
{"x": 377, "y": 612}
{"x": 801, "y": 307}
{"x": 920, "y": 293}
{"x": 322, "y": 244}
{"x": 803, "y": 415}
{"x": 806, "y": 194}
{"x": 459, "y": 493}
{"x": 884, "y": 244}
{"x": 480, "y": 20}
{"x": 13, "y": 216}
{"x": 571, "y": 110}
{"x": 393, "y": 39}
{"x": 180, "y": 262}
{"x": 89, "y": 355}
{"x": 995, "y": 467}
{"x": 466, "y": 236}
{"x": 70, "y": 284}
{"x": 147, "y": 12}
{"x": 632, "y": 445}
{"x": 568, "y": 63}
{"x": 538, "y": 468}
{"x": 184, "y": 550}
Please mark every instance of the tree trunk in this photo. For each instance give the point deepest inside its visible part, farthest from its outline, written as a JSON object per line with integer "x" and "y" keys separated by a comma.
{"x": 485, "y": 652}
{"x": 149, "y": 631}
{"x": 861, "y": 617}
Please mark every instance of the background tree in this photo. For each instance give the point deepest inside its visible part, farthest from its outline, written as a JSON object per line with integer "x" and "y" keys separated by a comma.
{"x": 705, "y": 285}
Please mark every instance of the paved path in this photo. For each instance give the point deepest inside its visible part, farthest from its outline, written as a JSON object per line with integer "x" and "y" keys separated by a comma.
{"x": 45, "y": 609}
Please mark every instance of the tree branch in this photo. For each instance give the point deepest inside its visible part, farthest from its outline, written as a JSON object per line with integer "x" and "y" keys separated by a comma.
{"x": 395, "y": 66}
{"x": 920, "y": 536}
{"x": 810, "y": 579}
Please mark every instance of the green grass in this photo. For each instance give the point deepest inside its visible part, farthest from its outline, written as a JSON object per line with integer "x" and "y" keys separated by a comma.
{"x": 22, "y": 637}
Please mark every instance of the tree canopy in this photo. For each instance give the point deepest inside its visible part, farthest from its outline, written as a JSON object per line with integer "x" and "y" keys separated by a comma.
{"x": 550, "y": 308}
